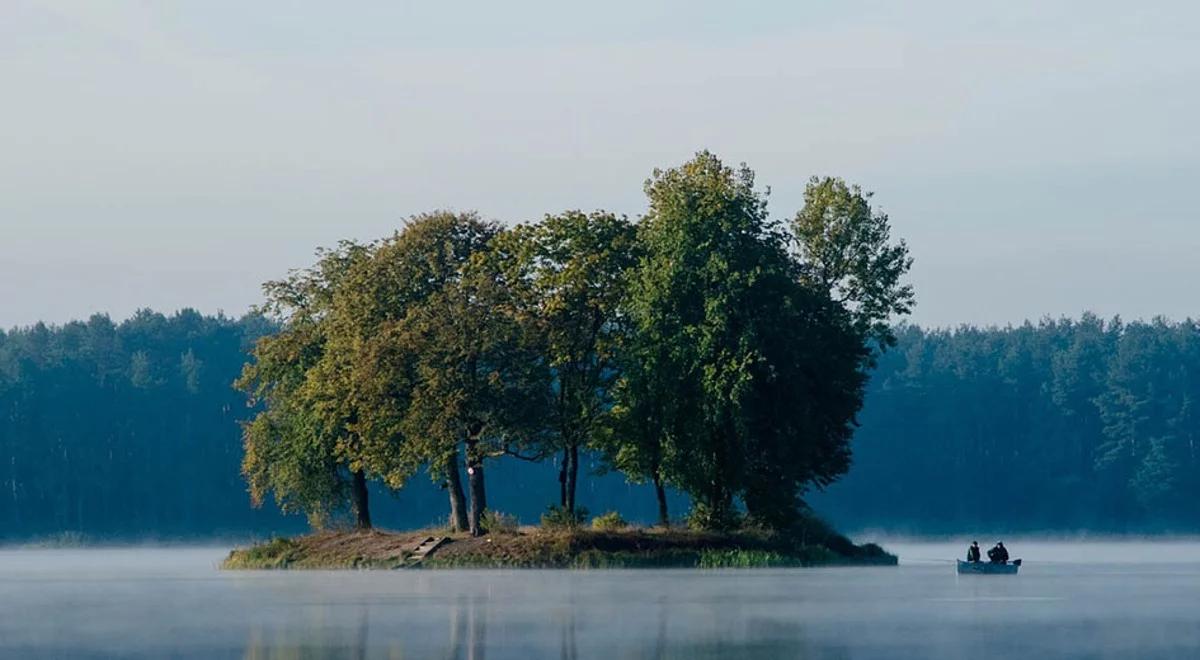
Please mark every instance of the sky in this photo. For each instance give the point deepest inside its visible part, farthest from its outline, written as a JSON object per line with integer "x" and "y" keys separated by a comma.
{"x": 1039, "y": 157}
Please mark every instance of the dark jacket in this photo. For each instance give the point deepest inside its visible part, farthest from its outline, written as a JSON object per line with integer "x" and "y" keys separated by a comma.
{"x": 973, "y": 553}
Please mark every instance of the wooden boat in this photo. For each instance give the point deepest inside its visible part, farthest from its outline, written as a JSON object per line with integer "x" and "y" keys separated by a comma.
{"x": 988, "y": 568}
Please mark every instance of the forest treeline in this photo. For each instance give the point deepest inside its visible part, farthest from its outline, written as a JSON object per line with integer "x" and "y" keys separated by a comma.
{"x": 125, "y": 429}
{"x": 112, "y": 430}
{"x": 1065, "y": 424}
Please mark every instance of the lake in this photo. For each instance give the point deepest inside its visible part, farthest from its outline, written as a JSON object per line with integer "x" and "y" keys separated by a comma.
{"x": 1071, "y": 600}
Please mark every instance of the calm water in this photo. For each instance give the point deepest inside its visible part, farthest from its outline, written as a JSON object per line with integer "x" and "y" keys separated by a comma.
{"x": 1127, "y": 600}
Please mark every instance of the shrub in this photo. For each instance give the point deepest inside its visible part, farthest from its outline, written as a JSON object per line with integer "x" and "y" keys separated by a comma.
{"x": 276, "y": 553}
{"x": 556, "y": 517}
{"x": 497, "y": 522}
{"x": 607, "y": 522}
{"x": 701, "y": 517}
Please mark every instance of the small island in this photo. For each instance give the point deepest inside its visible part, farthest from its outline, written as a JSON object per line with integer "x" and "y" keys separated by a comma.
{"x": 706, "y": 349}
{"x": 557, "y": 547}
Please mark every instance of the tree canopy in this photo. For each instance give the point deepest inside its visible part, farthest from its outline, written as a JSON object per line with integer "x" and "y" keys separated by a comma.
{"x": 706, "y": 347}
{"x": 745, "y": 372}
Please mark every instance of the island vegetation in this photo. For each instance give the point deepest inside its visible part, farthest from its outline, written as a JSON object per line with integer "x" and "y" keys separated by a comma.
{"x": 609, "y": 542}
{"x": 706, "y": 347}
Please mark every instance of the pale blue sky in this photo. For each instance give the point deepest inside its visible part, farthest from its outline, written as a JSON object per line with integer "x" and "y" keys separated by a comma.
{"x": 1040, "y": 160}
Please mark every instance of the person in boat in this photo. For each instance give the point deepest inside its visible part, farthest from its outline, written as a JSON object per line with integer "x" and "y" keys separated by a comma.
{"x": 998, "y": 554}
{"x": 973, "y": 552}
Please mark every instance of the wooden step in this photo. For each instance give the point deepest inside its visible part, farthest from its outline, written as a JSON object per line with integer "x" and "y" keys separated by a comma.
{"x": 424, "y": 548}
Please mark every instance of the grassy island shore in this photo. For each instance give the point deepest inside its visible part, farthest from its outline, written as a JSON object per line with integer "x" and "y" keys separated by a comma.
{"x": 534, "y": 547}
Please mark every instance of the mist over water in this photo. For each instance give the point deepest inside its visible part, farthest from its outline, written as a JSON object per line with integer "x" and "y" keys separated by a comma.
{"x": 1090, "y": 552}
{"x": 1089, "y": 599}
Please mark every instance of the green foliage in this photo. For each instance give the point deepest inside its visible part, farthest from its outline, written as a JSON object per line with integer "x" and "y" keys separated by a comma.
{"x": 695, "y": 350}
{"x": 704, "y": 517}
{"x": 571, "y": 271}
{"x": 557, "y": 517}
{"x": 275, "y": 554}
{"x": 743, "y": 376}
{"x": 846, "y": 252}
{"x": 379, "y": 330}
{"x": 609, "y": 522}
{"x": 478, "y": 377}
{"x": 302, "y": 445}
{"x": 496, "y": 522}
{"x": 282, "y": 456}
{"x": 738, "y": 558}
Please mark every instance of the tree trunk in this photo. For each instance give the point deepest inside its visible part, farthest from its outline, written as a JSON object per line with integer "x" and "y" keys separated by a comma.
{"x": 664, "y": 520}
{"x": 358, "y": 493}
{"x": 478, "y": 491}
{"x": 572, "y": 478}
{"x": 458, "y": 501}
{"x": 562, "y": 479}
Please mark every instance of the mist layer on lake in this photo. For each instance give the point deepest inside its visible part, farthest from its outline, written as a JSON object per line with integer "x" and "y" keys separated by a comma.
{"x": 1093, "y": 600}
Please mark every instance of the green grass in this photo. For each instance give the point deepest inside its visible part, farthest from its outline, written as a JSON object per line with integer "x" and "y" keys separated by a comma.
{"x": 752, "y": 559}
{"x": 669, "y": 558}
{"x": 284, "y": 553}
{"x": 561, "y": 549}
{"x": 276, "y": 553}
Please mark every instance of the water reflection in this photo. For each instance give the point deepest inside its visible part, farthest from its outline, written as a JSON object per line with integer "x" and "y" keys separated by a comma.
{"x": 322, "y": 634}
{"x": 318, "y": 639}
{"x": 458, "y": 628}
{"x": 468, "y": 630}
{"x": 567, "y": 646}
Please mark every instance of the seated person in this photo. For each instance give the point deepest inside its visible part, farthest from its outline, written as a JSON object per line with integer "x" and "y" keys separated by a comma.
{"x": 998, "y": 554}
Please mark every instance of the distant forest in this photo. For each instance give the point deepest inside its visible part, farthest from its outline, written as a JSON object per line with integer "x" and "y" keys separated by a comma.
{"x": 131, "y": 430}
{"x": 1061, "y": 425}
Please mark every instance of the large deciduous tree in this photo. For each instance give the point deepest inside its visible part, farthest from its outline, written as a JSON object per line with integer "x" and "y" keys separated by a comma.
{"x": 748, "y": 364}
{"x": 569, "y": 273}
{"x": 301, "y": 446}
{"x": 371, "y": 336}
{"x": 479, "y": 379}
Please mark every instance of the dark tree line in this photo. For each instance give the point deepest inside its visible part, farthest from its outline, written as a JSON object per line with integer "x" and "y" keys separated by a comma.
{"x": 1064, "y": 424}
{"x": 119, "y": 429}
{"x": 112, "y": 430}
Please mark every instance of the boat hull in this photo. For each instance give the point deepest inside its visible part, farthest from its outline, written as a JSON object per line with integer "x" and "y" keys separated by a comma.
{"x": 986, "y": 568}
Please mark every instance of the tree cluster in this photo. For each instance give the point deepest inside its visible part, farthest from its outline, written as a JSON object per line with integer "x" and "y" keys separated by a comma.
{"x": 705, "y": 347}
